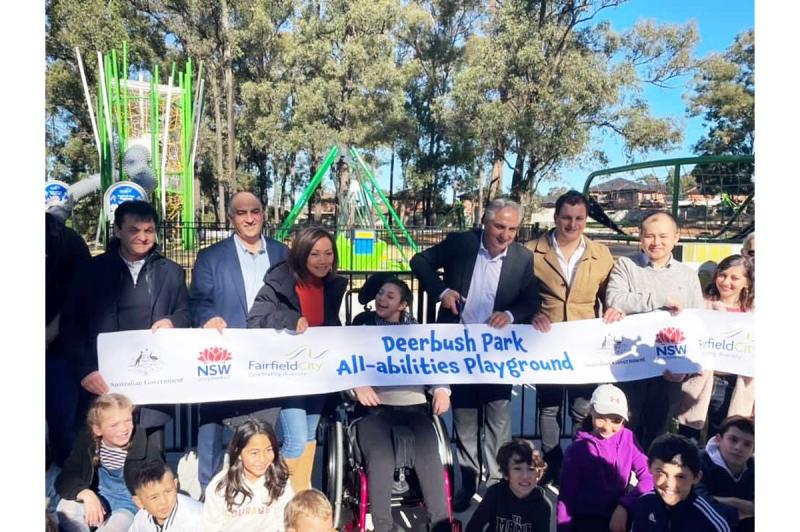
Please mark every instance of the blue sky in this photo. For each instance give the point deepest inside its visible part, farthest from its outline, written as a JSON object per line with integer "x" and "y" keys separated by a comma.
{"x": 718, "y": 23}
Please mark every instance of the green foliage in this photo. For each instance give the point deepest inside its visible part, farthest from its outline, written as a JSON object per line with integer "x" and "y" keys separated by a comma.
{"x": 454, "y": 87}
{"x": 724, "y": 94}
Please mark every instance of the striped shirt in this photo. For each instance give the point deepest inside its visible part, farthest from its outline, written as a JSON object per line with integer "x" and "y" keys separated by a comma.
{"x": 112, "y": 458}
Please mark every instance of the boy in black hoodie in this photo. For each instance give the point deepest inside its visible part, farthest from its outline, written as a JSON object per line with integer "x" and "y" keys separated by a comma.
{"x": 674, "y": 504}
{"x": 517, "y": 503}
{"x": 729, "y": 470}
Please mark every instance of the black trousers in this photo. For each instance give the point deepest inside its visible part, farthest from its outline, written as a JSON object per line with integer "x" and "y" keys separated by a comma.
{"x": 650, "y": 401}
{"x": 376, "y": 443}
{"x": 477, "y": 406}
{"x": 548, "y": 399}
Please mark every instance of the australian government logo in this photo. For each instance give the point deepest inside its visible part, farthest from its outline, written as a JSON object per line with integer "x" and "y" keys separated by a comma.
{"x": 146, "y": 363}
{"x": 299, "y": 362}
{"x": 670, "y": 343}
{"x": 148, "y": 367}
{"x": 214, "y": 363}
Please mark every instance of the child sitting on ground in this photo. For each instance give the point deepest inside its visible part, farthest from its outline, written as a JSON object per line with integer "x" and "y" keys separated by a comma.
{"x": 594, "y": 494}
{"x": 516, "y": 502}
{"x": 675, "y": 465}
{"x": 250, "y": 494}
{"x": 97, "y": 478}
{"x": 308, "y": 511}
{"x": 162, "y": 507}
{"x": 729, "y": 470}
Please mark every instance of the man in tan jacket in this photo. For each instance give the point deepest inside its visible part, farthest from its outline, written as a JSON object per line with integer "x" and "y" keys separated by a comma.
{"x": 572, "y": 272}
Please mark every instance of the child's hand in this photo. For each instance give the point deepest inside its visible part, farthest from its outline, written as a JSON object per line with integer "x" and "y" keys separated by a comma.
{"x": 366, "y": 396}
{"x": 302, "y": 325}
{"x": 93, "y": 510}
{"x": 441, "y": 401}
{"x": 619, "y": 520}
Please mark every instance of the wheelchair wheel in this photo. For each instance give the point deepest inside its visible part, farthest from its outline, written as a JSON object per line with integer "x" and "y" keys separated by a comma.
{"x": 445, "y": 453}
{"x": 334, "y": 469}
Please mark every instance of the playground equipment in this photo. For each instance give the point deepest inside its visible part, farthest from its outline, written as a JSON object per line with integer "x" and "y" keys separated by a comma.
{"x": 713, "y": 197}
{"x": 359, "y": 246}
{"x": 147, "y": 133}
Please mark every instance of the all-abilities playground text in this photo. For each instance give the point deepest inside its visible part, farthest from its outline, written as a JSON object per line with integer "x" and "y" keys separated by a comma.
{"x": 462, "y": 353}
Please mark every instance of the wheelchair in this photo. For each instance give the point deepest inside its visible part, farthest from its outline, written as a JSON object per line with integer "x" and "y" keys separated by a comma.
{"x": 345, "y": 473}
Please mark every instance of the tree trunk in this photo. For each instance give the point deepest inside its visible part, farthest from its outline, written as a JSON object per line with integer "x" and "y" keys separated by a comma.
{"x": 227, "y": 59}
{"x": 496, "y": 183}
{"x": 219, "y": 165}
{"x": 517, "y": 184}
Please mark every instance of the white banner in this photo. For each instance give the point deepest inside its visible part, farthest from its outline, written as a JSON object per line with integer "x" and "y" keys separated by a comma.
{"x": 200, "y": 365}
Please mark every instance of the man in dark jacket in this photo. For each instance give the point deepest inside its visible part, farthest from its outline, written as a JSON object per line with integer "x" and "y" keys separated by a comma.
{"x": 490, "y": 278}
{"x": 65, "y": 253}
{"x": 129, "y": 287}
{"x": 225, "y": 280}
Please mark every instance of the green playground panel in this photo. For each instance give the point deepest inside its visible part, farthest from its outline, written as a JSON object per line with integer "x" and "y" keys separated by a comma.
{"x": 376, "y": 259}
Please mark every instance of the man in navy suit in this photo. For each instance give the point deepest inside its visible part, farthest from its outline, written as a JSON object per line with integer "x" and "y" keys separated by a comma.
{"x": 225, "y": 280}
{"x": 491, "y": 275}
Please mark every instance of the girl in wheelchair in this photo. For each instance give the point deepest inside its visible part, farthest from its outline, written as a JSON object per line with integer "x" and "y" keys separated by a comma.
{"x": 389, "y": 406}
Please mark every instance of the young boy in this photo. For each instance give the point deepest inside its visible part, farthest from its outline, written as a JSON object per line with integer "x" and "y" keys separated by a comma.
{"x": 517, "y": 502}
{"x": 675, "y": 465}
{"x": 651, "y": 281}
{"x": 729, "y": 470}
{"x": 163, "y": 509}
{"x": 308, "y": 511}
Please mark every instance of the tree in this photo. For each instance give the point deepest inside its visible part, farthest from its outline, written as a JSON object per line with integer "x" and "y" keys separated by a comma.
{"x": 545, "y": 78}
{"x": 724, "y": 94}
{"x": 431, "y": 47}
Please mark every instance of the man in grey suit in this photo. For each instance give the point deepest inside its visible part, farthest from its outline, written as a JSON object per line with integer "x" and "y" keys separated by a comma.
{"x": 490, "y": 278}
{"x": 225, "y": 280}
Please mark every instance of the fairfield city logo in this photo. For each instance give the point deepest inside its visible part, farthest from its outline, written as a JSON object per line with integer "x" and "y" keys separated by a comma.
{"x": 670, "y": 342}
{"x": 215, "y": 362}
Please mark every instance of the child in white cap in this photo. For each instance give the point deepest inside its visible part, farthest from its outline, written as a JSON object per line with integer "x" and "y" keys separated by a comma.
{"x": 595, "y": 494}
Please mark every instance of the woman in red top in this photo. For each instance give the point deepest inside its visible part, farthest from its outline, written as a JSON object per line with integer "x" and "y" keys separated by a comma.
{"x": 718, "y": 395}
{"x": 301, "y": 292}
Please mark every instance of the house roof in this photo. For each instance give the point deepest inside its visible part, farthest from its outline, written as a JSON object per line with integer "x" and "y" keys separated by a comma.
{"x": 620, "y": 184}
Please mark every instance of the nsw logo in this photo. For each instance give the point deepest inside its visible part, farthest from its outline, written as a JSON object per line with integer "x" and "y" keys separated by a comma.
{"x": 670, "y": 343}
{"x": 215, "y": 362}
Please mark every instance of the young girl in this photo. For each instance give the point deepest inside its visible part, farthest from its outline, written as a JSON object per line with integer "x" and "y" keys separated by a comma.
{"x": 516, "y": 503}
{"x": 101, "y": 469}
{"x": 594, "y": 493}
{"x": 250, "y": 494}
{"x": 715, "y": 395}
{"x": 389, "y": 406}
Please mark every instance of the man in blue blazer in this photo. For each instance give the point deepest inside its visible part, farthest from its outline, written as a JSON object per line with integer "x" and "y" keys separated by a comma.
{"x": 488, "y": 278}
{"x": 225, "y": 280}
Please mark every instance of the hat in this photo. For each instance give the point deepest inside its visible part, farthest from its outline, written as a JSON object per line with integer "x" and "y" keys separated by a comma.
{"x": 608, "y": 399}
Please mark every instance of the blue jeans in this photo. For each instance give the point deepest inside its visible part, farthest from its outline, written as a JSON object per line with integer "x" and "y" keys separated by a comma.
{"x": 298, "y": 420}
{"x": 112, "y": 488}
{"x": 212, "y": 438}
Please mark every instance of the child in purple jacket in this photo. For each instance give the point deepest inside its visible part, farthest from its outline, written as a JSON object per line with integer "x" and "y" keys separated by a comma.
{"x": 594, "y": 494}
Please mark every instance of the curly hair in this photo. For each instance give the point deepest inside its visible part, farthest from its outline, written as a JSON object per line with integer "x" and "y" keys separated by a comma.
{"x": 276, "y": 477}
